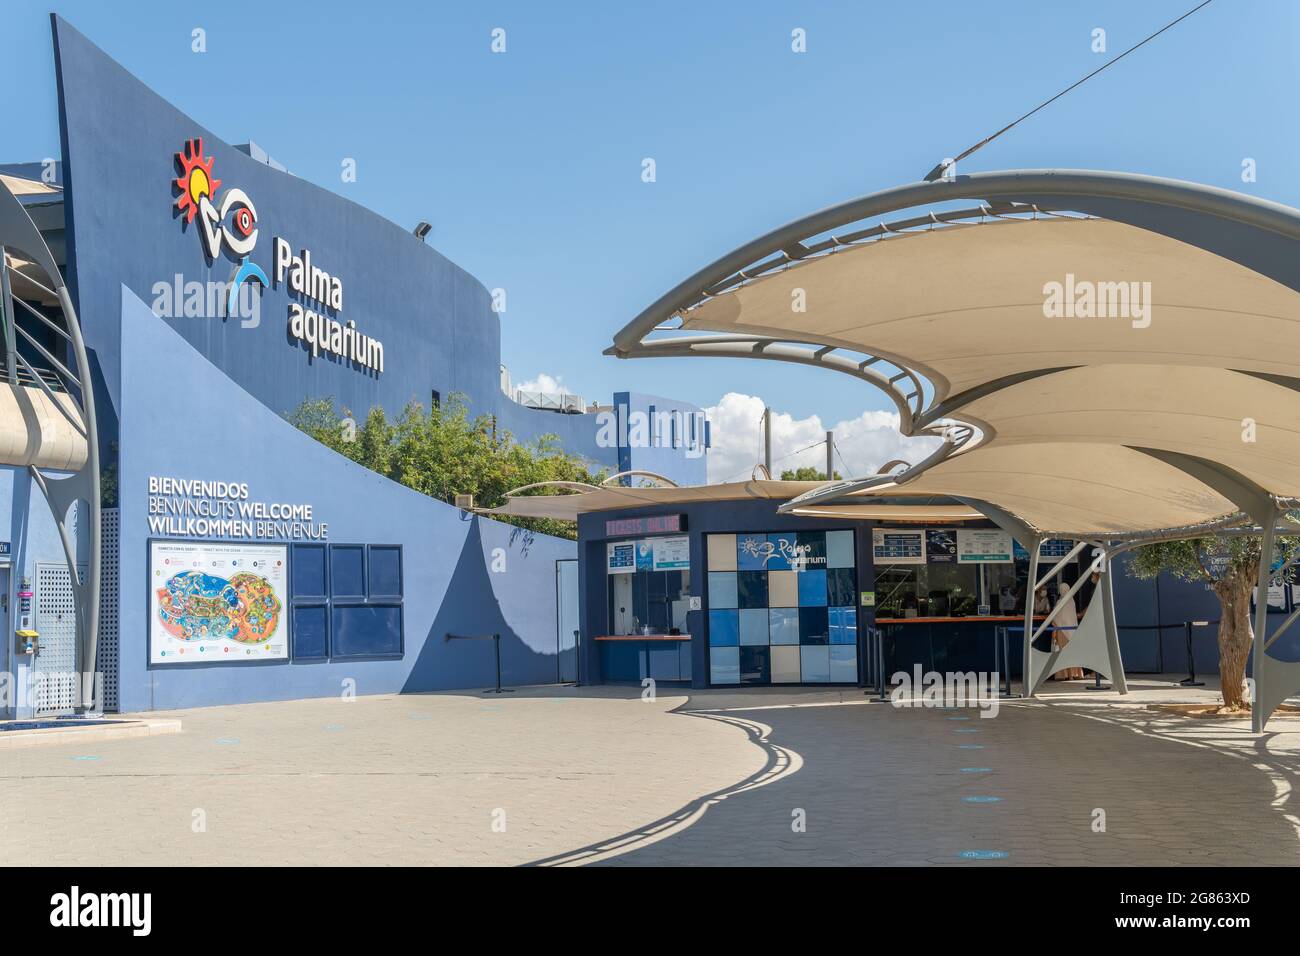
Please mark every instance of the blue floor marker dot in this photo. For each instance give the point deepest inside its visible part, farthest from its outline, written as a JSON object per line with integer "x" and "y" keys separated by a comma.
{"x": 983, "y": 854}
{"x": 333, "y": 726}
{"x": 959, "y": 718}
{"x": 227, "y": 740}
{"x": 966, "y": 730}
{"x": 981, "y": 799}
{"x": 976, "y": 769}
{"x": 970, "y": 746}
{"x": 86, "y": 757}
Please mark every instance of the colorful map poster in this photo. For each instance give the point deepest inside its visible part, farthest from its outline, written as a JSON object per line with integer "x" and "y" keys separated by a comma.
{"x": 217, "y": 602}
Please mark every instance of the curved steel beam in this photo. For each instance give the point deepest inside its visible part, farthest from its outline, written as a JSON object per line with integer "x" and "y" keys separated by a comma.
{"x": 840, "y": 491}
{"x": 788, "y": 350}
{"x": 17, "y": 231}
{"x": 663, "y": 481}
{"x": 581, "y": 487}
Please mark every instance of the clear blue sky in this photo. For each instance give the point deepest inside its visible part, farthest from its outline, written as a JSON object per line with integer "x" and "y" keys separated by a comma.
{"x": 528, "y": 164}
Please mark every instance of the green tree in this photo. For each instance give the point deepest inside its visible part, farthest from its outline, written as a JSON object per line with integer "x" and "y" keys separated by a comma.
{"x": 1229, "y": 564}
{"x": 445, "y": 452}
{"x": 806, "y": 473}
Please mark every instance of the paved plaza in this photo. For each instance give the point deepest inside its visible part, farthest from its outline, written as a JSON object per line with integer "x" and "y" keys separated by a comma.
{"x": 600, "y": 776}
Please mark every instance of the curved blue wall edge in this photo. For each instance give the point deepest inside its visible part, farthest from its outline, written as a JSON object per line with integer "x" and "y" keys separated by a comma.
{"x": 183, "y": 417}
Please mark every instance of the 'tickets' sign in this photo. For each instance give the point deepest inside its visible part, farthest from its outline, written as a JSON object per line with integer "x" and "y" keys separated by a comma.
{"x": 659, "y": 524}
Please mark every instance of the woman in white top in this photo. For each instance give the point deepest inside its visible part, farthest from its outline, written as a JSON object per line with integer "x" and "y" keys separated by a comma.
{"x": 1067, "y": 617}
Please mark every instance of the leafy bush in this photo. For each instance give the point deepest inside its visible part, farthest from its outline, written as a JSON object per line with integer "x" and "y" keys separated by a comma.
{"x": 444, "y": 452}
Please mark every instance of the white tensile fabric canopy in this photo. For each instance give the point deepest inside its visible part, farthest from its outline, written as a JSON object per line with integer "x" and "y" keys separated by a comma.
{"x": 34, "y": 431}
{"x": 1200, "y": 362}
{"x": 1110, "y": 357}
{"x": 1066, "y": 489}
{"x": 964, "y": 304}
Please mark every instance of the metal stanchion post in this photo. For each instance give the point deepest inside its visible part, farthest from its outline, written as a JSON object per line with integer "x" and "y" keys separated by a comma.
{"x": 1096, "y": 683}
{"x": 880, "y": 664}
{"x": 1190, "y": 680}
{"x": 1002, "y": 640}
{"x": 496, "y": 643}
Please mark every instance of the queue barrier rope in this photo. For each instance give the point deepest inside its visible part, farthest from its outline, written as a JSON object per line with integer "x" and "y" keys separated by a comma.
{"x": 1190, "y": 680}
{"x": 496, "y": 640}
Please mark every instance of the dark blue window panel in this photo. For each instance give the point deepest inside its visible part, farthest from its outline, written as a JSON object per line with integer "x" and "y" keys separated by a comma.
{"x": 310, "y": 632}
{"x": 751, "y": 588}
{"x": 813, "y": 546}
{"x": 367, "y": 630}
{"x": 812, "y": 588}
{"x": 814, "y": 626}
{"x": 384, "y": 567}
{"x": 309, "y": 571}
{"x": 348, "y": 571}
{"x": 755, "y": 666}
{"x": 839, "y": 587}
{"x": 724, "y": 628}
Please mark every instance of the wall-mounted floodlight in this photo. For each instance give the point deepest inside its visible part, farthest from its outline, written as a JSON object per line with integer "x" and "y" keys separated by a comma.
{"x": 422, "y": 229}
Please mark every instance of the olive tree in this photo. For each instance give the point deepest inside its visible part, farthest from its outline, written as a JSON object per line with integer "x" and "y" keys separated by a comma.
{"x": 1229, "y": 565}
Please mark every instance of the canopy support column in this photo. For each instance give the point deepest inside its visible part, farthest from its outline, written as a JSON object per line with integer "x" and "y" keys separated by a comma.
{"x": 1258, "y": 656}
{"x": 1107, "y": 588}
{"x": 1094, "y": 643}
{"x": 1031, "y": 539}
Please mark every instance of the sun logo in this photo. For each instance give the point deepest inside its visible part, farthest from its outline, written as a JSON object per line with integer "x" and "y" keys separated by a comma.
{"x": 232, "y": 223}
{"x": 195, "y": 182}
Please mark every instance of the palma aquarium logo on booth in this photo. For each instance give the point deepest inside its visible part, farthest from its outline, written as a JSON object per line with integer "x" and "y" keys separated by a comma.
{"x": 226, "y": 224}
{"x": 799, "y": 556}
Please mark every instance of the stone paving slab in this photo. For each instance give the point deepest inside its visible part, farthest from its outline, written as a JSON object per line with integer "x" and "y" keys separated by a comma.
{"x": 599, "y": 776}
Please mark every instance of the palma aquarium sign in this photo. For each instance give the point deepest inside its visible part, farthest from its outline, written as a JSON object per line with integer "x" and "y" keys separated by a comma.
{"x": 228, "y": 225}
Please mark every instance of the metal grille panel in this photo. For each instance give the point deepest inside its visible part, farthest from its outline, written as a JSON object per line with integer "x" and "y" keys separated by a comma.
{"x": 108, "y": 609}
{"x": 56, "y": 658}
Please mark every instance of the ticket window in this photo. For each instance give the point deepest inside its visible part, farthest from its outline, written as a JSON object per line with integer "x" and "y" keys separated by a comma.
{"x": 921, "y": 590}
{"x": 654, "y": 602}
{"x": 643, "y": 600}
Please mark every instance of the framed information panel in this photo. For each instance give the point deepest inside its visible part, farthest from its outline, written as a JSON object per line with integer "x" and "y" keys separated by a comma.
{"x": 217, "y": 602}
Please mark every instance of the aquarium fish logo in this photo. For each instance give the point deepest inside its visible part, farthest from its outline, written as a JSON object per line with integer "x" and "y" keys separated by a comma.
{"x": 232, "y": 223}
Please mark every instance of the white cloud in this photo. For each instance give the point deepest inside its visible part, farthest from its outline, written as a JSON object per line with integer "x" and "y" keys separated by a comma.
{"x": 543, "y": 383}
{"x": 865, "y": 443}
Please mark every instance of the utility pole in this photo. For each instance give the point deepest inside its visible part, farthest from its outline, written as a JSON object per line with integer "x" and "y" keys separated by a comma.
{"x": 767, "y": 439}
{"x": 830, "y": 452}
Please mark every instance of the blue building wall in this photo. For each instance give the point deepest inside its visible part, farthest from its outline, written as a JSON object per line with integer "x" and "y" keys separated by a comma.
{"x": 435, "y": 320}
{"x": 675, "y": 440}
{"x": 216, "y": 430}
